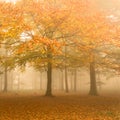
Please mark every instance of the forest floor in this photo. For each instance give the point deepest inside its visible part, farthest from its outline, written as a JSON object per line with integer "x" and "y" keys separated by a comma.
{"x": 62, "y": 107}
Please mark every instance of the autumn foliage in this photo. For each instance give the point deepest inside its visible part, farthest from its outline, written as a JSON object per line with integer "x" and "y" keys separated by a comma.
{"x": 54, "y": 34}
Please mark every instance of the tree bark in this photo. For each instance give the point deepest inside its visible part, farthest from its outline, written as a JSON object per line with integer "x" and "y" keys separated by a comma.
{"x": 5, "y": 80}
{"x": 49, "y": 80}
{"x": 5, "y": 89}
{"x": 62, "y": 81}
{"x": 40, "y": 80}
{"x": 93, "y": 86}
{"x": 0, "y": 83}
{"x": 75, "y": 80}
{"x": 18, "y": 86}
{"x": 66, "y": 80}
{"x": 66, "y": 77}
{"x": 61, "y": 84}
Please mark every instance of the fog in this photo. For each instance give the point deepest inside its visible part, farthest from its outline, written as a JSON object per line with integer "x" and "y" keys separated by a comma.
{"x": 30, "y": 79}
{"x": 33, "y": 80}
{"x": 59, "y": 59}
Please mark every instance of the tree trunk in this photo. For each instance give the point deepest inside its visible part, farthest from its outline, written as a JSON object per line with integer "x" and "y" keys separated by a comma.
{"x": 71, "y": 82}
{"x": 49, "y": 80}
{"x": 5, "y": 89}
{"x": 40, "y": 80}
{"x": 61, "y": 84}
{"x": 93, "y": 87}
{"x": 66, "y": 80}
{"x": 11, "y": 82}
{"x": 18, "y": 85}
{"x": 5, "y": 80}
{"x": 75, "y": 80}
{"x": 0, "y": 83}
{"x": 62, "y": 81}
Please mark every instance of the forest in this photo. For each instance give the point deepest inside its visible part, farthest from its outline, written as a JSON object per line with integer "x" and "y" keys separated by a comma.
{"x": 60, "y": 60}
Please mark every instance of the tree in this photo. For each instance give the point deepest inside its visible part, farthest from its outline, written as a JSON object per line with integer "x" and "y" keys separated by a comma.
{"x": 49, "y": 27}
{"x": 9, "y": 33}
{"x": 95, "y": 33}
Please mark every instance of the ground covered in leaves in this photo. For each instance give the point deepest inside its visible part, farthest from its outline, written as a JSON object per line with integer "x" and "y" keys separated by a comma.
{"x": 70, "y": 107}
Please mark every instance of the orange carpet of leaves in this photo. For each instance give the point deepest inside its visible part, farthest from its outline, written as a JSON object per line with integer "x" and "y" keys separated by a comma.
{"x": 70, "y": 107}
